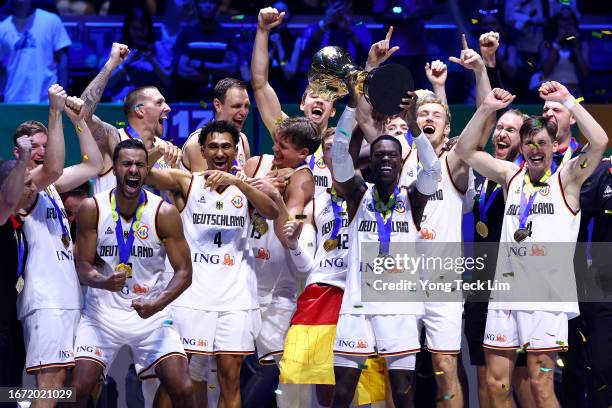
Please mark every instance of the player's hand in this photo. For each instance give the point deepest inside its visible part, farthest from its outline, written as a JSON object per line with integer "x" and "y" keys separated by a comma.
{"x": 24, "y": 148}
{"x": 57, "y": 98}
{"x": 171, "y": 154}
{"x": 380, "y": 51}
{"x": 266, "y": 186}
{"x": 436, "y": 72}
{"x": 468, "y": 58}
{"x": 554, "y": 91}
{"x": 118, "y": 54}
{"x": 269, "y": 18}
{"x": 115, "y": 281}
{"x": 291, "y": 231}
{"x": 145, "y": 307}
{"x": 74, "y": 109}
{"x": 240, "y": 174}
{"x": 498, "y": 99}
{"x": 489, "y": 43}
{"x": 218, "y": 178}
{"x": 408, "y": 112}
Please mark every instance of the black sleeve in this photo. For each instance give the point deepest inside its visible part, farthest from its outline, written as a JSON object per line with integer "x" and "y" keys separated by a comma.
{"x": 495, "y": 77}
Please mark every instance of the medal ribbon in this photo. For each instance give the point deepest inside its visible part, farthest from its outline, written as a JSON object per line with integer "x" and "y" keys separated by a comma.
{"x": 573, "y": 145}
{"x": 483, "y": 203}
{"x": 60, "y": 216}
{"x": 125, "y": 246}
{"x": 338, "y": 205}
{"x": 384, "y": 216}
{"x": 20, "y": 245}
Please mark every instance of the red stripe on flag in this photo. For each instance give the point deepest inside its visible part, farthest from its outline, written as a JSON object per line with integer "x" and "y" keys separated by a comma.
{"x": 318, "y": 304}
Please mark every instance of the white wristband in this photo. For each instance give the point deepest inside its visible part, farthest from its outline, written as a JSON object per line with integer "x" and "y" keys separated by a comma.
{"x": 569, "y": 103}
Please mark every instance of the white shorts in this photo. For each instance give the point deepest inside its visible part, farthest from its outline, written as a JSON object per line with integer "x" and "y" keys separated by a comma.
{"x": 49, "y": 338}
{"x": 99, "y": 342}
{"x": 442, "y": 321}
{"x": 208, "y": 332}
{"x": 275, "y": 322}
{"x": 399, "y": 362}
{"x": 530, "y": 330}
{"x": 384, "y": 335}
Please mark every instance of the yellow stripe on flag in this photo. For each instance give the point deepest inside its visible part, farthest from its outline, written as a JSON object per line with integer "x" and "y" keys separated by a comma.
{"x": 371, "y": 386}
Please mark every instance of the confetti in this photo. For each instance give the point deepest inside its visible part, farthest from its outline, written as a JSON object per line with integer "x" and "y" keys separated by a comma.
{"x": 570, "y": 38}
{"x": 283, "y": 63}
{"x": 357, "y": 306}
{"x": 278, "y": 392}
{"x": 360, "y": 23}
{"x": 439, "y": 372}
{"x": 584, "y": 164}
{"x": 211, "y": 386}
{"x": 606, "y": 32}
{"x": 565, "y": 2}
{"x": 79, "y": 129}
{"x": 580, "y": 99}
{"x": 167, "y": 322}
{"x": 449, "y": 397}
{"x": 508, "y": 274}
{"x": 596, "y": 34}
{"x": 520, "y": 350}
{"x": 85, "y": 157}
{"x": 582, "y": 336}
{"x": 560, "y": 342}
{"x": 545, "y": 369}
{"x": 560, "y": 363}
{"x": 588, "y": 368}
{"x": 238, "y": 17}
{"x": 119, "y": 123}
{"x": 362, "y": 366}
{"x": 529, "y": 63}
{"x": 504, "y": 387}
{"x": 602, "y": 387}
{"x": 203, "y": 104}
{"x": 474, "y": 21}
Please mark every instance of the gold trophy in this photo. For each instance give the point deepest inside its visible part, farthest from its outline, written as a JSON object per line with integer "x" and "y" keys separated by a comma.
{"x": 383, "y": 87}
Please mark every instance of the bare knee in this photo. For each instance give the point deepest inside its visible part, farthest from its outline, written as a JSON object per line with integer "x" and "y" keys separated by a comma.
{"x": 542, "y": 389}
{"x": 181, "y": 390}
{"x": 497, "y": 387}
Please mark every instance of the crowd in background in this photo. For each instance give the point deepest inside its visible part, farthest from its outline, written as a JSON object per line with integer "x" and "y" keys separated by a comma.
{"x": 193, "y": 47}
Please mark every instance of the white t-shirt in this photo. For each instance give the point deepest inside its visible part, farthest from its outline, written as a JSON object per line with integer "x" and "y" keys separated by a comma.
{"x": 28, "y": 54}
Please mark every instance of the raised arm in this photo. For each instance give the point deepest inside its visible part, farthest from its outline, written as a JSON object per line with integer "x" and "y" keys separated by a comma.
{"x": 170, "y": 229}
{"x": 170, "y": 180}
{"x": 91, "y": 158}
{"x": 467, "y": 148}
{"x": 267, "y": 102}
{"x": 55, "y": 153}
{"x": 436, "y": 73}
{"x": 298, "y": 193}
{"x": 12, "y": 185}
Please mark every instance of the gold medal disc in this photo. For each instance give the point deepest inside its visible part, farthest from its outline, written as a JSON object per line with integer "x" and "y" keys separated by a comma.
{"x": 482, "y": 229}
{"x": 330, "y": 244}
{"x": 124, "y": 267}
{"x": 19, "y": 284}
{"x": 65, "y": 240}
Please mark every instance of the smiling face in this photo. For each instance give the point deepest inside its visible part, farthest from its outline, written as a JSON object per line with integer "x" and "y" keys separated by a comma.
{"x": 151, "y": 108}
{"x": 317, "y": 109}
{"x": 561, "y": 116}
{"x": 234, "y": 108}
{"x": 396, "y": 127}
{"x": 219, "y": 151}
{"x": 432, "y": 120}
{"x": 286, "y": 154}
{"x": 506, "y": 137}
{"x": 538, "y": 149}
{"x": 386, "y": 161}
{"x": 130, "y": 169}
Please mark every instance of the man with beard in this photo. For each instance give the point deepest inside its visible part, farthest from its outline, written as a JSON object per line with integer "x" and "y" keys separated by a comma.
{"x": 231, "y": 104}
{"x": 145, "y": 109}
{"x": 124, "y": 234}
{"x": 488, "y": 217}
{"x": 564, "y": 119}
{"x": 389, "y": 329}
{"x": 315, "y": 108}
{"x": 538, "y": 327}
{"x": 49, "y": 294}
{"x": 220, "y": 308}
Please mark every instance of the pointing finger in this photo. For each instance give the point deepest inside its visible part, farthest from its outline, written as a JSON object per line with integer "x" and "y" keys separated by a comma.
{"x": 389, "y": 33}
{"x": 464, "y": 42}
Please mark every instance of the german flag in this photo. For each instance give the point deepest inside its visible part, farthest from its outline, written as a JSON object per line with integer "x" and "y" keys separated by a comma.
{"x": 308, "y": 357}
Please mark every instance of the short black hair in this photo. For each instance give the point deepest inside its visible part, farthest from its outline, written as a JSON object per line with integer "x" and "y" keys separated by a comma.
{"x": 382, "y": 138}
{"x": 301, "y": 132}
{"x": 129, "y": 144}
{"x": 225, "y": 85}
{"x": 534, "y": 124}
{"x": 218, "y": 126}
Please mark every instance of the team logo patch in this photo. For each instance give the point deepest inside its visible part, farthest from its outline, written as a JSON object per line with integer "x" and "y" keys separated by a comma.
{"x": 143, "y": 231}
{"x": 109, "y": 231}
{"x": 237, "y": 201}
{"x": 219, "y": 205}
{"x": 545, "y": 191}
{"x": 202, "y": 200}
{"x": 320, "y": 163}
{"x": 400, "y": 206}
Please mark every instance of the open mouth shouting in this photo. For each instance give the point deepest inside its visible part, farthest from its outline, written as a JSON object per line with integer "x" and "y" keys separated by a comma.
{"x": 132, "y": 184}
{"x": 429, "y": 129}
{"x": 220, "y": 164}
{"x": 316, "y": 113}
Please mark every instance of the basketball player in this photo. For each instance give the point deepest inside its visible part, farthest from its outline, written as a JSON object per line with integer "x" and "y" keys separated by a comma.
{"x": 231, "y": 103}
{"x": 145, "y": 109}
{"x": 14, "y": 176}
{"x": 218, "y": 314}
{"x": 315, "y": 108}
{"x": 368, "y": 328}
{"x": 124, "y": 234}
{"x": 540, "y": 328}
{"x": 49, "y": 294}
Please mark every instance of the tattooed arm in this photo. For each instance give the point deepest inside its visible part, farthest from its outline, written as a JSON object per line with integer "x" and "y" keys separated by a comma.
{"x": 105, "y": 135}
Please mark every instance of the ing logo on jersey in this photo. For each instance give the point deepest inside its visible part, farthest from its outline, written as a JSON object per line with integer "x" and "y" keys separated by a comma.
{"x": 143, "y": 231}
{"x": 228, "y": 260}
{"x": 141, "y": 290}
{"x": 400, "y": 206}
{"x": 428, "y": 233}
{"x": 237, "y": 201}
{"x": 320, "y": 163}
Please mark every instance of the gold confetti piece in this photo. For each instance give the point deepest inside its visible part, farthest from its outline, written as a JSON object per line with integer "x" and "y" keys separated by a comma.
{"x": 582, "y": 336}
{"x": 584, "y": 164}
{"x": 439, "y": 372}
{"x": 520, "y": 350}
{"x": 507, "y": 275}
{"x": 85, "y": 157}
{"x": 606, "y": 32}
{"x": 580, "y": 99}
{"x": 560, "y": 342}
{"x": 474, "y": 21}
{"x": 79, "y": 129}
{"x": 560, "y": 363}
{"x": 504, "y": 387}
{"x": 532, "y": 145}
{"x": 608, "y": 211}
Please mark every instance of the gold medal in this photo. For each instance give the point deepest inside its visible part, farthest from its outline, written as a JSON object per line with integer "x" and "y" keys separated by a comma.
{"x": 124, "y": 267}
{"x": 260, "y": 225}
{"x": 19, "y": 284}
{"x": 330, "y": 244}
{"x": 65, "y": 240}
{"x": 521, "y": 234}
{"x": 482, "y": 229}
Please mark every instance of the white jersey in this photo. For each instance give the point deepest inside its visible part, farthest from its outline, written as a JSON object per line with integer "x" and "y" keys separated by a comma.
{"x": 320, "y": 173}
{"x": 146, "y": 258}
{"x": 330, "y": 267}
{"x": 107, "y": 180}
{"x": 363, "y": 229}
{"x": 51, "y": 281}
{"x": 408, "y": 175}
{"x": 241, "y": 157}
{"x": 273, "y": 266}
{"x": 531, "y": 266}
{"x": 216, "y": 226}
